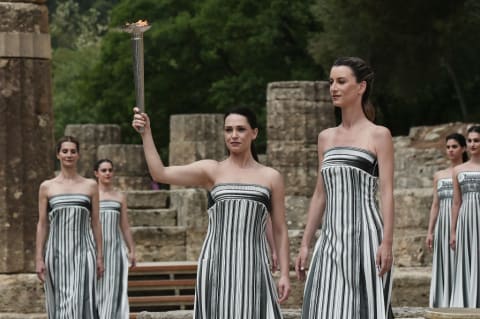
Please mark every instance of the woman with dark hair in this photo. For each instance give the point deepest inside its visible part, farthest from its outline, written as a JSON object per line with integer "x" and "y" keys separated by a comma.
{"x": 465, "y": 228}
{"x": 233, "y": 277}
{"x": 438, "y": 235}
{"x": 112, "y": 298}
{"x": 67, "y": 262}
{"x": 350, "y": 272}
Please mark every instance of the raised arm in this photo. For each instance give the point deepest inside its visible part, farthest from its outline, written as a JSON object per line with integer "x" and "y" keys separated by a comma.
{"x": 127, "y": 234}
{"x": 433, "y": 214}
{"x": 194, "y": 174}
{"x": 96, "y": 226}
{"x": 384, "y": 150}
{"x": 456, "y": 203}
{"x": 42, "y": 229}
{"x": 280, "y": 230}
{"x": 314, "y": 215}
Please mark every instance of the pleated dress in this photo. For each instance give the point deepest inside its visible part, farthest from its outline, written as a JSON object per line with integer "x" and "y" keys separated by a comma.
{"x": 342, "y": 281}
{"x": 465, "y": 292}
{"x": 443, "y": 257}
{"x": 233, "y": 277}
{"x": 70, "y": 259}
{"x": 112, "y": 297}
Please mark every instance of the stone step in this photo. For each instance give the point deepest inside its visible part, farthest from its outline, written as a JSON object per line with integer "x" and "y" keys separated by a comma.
{"x": 153, "y": 217}
{"x": 409, "y": 248}
{"x": 23, "y": 315}
{"x": 166, "y": 243}
{"x": 145, "y": 199}
{"x": 411, "y": 286}
{"x": 412, "y": 207}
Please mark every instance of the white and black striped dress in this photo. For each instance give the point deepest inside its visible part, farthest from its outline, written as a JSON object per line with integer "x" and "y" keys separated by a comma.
{"x": 70, "y": 259}
{"x": 233, "y": 278}
{"x": 112, "y": 295}
{"x": 467, "y": 256}
{"x": 443, "y": 257}
{"x": 342, "y": 282}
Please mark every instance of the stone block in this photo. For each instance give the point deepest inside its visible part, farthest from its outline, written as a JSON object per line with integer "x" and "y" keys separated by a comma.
{"x": 152, "y": 217}
{"x": 452, "y": 313}
{"x": 411, "y": 286}
{"x": 299, "y": 181}
{"x": 195, "y": 238}
{"x": 90, "y": 137}
{"x": 186, "y": 152}
{"x": 191, "y": 206}
{"x": 132, "y": 183}
{"x": 292, "y": 154}
{"x": 298, "y": 90}
{"x": 296, "y": 208}
{"x": 409, "y": 249}
{"x": 24, "y": 16}
{"x": 197, "y": 128}
{"x": 148, "y": 199}
{"x": 21, "y": 293}
{"x": 412, "y": 207}
{"x": 128, "y": 159}
{"x": 159, "y": 243}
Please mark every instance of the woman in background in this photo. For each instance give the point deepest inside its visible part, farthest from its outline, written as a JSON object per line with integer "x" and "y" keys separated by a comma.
{"x": 465, "y": 228}
{"x": 438, "y": 235}
{"x": 71, "y": 259}
{"x": 112, "y": 295}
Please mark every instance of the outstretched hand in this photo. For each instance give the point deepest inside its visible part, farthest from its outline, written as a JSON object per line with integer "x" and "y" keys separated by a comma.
{"x": 141, "y": 121}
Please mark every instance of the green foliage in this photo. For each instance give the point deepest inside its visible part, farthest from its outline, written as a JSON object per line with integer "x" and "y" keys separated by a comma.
{"x": 418, "y": 50}
{"x": 201, "y": 56}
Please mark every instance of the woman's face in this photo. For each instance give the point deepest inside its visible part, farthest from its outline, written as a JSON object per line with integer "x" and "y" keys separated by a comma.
{"x": 454, "y": 150}
{"x": 238, "y": 133}
{"x": 344, "y": 88}
{"x": 68, "y": 154}
{"x": 473, "y": 143}
{"x": 104, "y": 174}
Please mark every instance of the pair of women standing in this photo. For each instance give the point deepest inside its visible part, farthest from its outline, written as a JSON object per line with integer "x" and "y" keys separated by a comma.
{"x": 69, "y": 246}
{"x": 455, "y": 223}
{"x": 233, "y": 278}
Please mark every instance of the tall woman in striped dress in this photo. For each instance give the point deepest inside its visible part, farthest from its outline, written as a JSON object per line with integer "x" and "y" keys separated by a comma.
{"x": 233, "y": 277}
{"x": 112, "y": 298}
{"x": 465, "y": 228}
{"x": 70, "y": 261}
{"x": 349, "y": 275}
{"x": 438, "y": 235}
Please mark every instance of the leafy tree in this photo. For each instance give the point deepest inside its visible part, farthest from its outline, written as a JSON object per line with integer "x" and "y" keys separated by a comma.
{"x": 201, "y": 56}
{"x": 422, "y": 53}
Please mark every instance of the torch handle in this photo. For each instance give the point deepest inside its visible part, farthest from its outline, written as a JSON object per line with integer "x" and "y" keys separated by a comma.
{"x": 138, "y": 74}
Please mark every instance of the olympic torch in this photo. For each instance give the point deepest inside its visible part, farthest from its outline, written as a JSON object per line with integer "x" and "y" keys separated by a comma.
{"x": 136, "y": 30}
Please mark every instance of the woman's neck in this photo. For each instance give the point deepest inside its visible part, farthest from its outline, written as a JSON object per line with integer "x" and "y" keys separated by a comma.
{"x": 353, "y": 115}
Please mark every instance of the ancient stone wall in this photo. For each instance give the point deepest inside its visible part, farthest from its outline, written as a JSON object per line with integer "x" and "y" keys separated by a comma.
{"x": 26, "y": 127}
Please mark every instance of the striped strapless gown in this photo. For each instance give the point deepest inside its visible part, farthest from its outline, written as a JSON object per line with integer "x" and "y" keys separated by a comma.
{"x": 112, "y": 296}
{"x": 443, "y": 257}
{"x": 233, "y": 278}
{"x": 342, "y": 282}
{"x": 467, "y": 256}
{"x": 70, "y": 259}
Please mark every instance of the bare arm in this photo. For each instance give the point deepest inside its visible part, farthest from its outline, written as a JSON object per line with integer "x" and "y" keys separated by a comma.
{"x": 96, "y": 226}
{"x": 280, "y": 230}
{"x": 433, "y": 214}
{"x": 456, "y": 204}
{"x": 42, "y": 229}
{"x": 194, "y": 174}
{"x": 271, "y": 244}
{"x": 314, "y": 215}
{"x": 385, "y": 151}
{"x": 127, "y": 234}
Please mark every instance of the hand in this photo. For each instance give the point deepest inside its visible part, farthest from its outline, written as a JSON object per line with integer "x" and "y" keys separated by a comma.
{"x": 100, "y": 267}
{"x": 384, "y": 259}
{"x": 301, "y": 262}
{"x": 132, "y": 259}
{"x": 453, "y": 239}
{"x": 283, "y": 288}
{"x": 429, "y": 241}
{"x": 274, "y": 262}
{"x": 40, "y": 269}
{"x": 141, "y": 121}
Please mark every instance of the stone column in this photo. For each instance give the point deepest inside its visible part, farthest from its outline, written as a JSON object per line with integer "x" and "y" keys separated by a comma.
{"x": 26, "y": 127}
{"x": 196, "y": 136}
{"x": 296, "y": 113}
{"x": 90, "y": 137}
